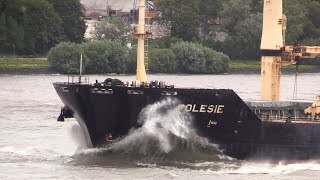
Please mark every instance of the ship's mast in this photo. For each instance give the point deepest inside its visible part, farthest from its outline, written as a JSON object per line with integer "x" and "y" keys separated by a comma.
{"x": 271, "y": 43}
{"x": 275, "y": 53}
{"x": 140, "y": 33}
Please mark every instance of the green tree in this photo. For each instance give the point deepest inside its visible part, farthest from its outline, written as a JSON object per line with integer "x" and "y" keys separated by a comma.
{"x": 71, "y": 13}
{"x": 65, "y": 58}
{"x": 257, "y": 6}
{"x": 29, "y": 27}
{"x": 216, "y": 62}
{"x": 162, "y": 61}
{"x": 42, "y": 26}
{"x": 163, "y": 42}
{"x": 190, "y": 57}
{"x": 312, "y": 25}
{"x": 13, "y": 36}
{"x": 106, "y": 57}
{"x": 243, "y": 26}
{"x": 114, "y": 29}
{"x": 131, "y": 65}
{"x": 208, "y": 11}
{"x": 244, "y": 40}
{"x": 11, "y": 26}
{"x": 183, "y": 16}
{"x": 234, "y": 11}
{"x": 195, "y": 58}
{"x": 296, "y": 14}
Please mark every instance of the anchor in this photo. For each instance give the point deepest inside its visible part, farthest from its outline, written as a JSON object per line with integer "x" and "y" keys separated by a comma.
{"x": 61, "y": 117}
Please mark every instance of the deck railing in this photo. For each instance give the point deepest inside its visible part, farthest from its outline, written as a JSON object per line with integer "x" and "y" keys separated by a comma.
{"x": 78, "y": 80}
{"x": 303, "y": 118}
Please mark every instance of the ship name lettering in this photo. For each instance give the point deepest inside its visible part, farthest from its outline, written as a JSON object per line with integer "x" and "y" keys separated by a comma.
{"x": 203, "y": 108}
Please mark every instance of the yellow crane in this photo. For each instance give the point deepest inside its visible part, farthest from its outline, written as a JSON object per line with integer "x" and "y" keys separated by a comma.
{"x": 275, "y": 53}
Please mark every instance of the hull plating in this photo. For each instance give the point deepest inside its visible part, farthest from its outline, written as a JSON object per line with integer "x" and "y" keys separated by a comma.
{"x": 220, "y": 115}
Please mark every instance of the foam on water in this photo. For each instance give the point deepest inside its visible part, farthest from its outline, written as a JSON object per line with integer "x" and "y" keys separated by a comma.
{"x": 166, "y": 137}
{"x": 78, "y": 137}
{"x": 272, "y": 168}
{"x": 166, "y": 128}
{"x": 163, "y": 123}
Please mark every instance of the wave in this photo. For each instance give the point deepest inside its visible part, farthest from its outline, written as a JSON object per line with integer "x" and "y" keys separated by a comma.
{"x": 273, "y": 168}
{"x": 167, "y": 139}
{"x": 166, "y": 136}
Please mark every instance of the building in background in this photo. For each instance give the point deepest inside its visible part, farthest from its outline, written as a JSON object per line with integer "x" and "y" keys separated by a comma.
{"x": 97, "y": 10}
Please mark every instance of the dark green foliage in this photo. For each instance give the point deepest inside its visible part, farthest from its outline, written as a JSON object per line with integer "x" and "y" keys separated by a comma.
{"x": 132, "y": 60}
{"x": 184, "y": 17}
{"x": 162, "y": 61}
{"x": 208, "y": 10}
{"x": 216, "y": 62}
{"x": 114, "y": 29}
{"x": 195, "y": 58}
{"x": 190, "y": 57}
{"x": 296, "y": 15}
{"x": 164, "y": 42}
{"x": 256, "y": 6}
{"x": 242, "y": 22}
{"x": 70, "y": 11}
{"x": 244, "y": 41}
{"x": 234, "y": 11}
{"x": 98, "y": 57}
{"x": 65, "y": 58}
{"x": 11, "y": 26}
{"x": 31, "y": 27}
{"x": 186, "y": 26}
{"x": 13, "y": 36}
{"x": 243, "y": 27}
{"x": 34, "y": 26}
{"x": 42, "y": 27}
{"x": 105, "y": 57}
{"x": 312, "y": 26}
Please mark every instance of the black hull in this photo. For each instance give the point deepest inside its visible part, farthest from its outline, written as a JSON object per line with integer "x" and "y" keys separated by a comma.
{"x": 280, "y": 141}
{"x": 220, "y": 115}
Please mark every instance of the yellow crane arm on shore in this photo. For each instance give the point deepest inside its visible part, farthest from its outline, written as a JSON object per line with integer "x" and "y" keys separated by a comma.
{"x": 308, "y": 52}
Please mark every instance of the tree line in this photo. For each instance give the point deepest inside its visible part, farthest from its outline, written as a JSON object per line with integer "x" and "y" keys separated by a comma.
{"x": 101, "y": 57}
{"x": 204, "y": 34}
{"x": 30, "y": 27}
{"x": 234, "y": 27}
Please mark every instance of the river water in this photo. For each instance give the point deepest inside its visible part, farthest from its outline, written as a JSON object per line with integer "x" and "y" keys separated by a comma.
{"x": 34, "y": 146}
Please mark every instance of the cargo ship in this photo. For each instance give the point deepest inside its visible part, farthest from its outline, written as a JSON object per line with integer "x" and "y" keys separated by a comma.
{"x": 273, "y": 129}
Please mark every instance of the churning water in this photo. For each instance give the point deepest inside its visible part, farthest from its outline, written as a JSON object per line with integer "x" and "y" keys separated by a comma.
{"x": 166, "y": 136}
{"x": 34, "y": 146}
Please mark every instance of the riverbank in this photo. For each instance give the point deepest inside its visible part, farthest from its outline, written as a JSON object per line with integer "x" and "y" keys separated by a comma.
{"x": 254, "y": 67}
{"x": 41, "y": 66}
{"x": 24, "y": 66}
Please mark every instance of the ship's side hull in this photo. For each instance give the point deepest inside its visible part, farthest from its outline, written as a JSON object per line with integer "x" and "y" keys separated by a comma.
{"x": 280, "y": 141}
{"x": 218, "y": 114}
